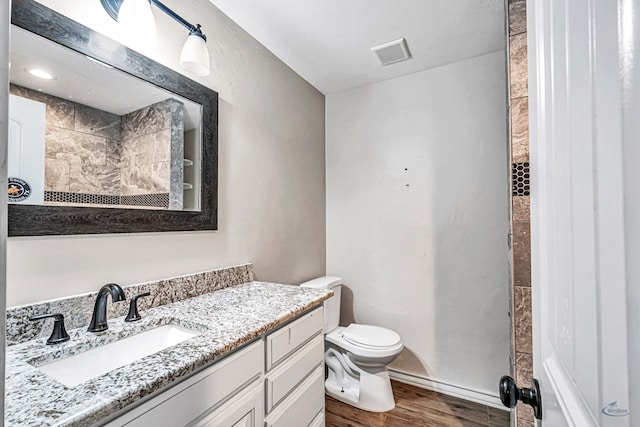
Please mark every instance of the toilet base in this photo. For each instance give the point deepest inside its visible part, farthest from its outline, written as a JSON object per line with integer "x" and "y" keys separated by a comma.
{"x": 375, "y": 394}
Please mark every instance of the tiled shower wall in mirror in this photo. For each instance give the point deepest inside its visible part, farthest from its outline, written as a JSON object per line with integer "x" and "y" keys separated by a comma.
{"x": 521, "y": 241}
{"x": 96, "y": 158}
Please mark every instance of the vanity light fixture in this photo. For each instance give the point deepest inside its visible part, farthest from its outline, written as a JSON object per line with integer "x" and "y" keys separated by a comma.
{"x": 194, "y": 56}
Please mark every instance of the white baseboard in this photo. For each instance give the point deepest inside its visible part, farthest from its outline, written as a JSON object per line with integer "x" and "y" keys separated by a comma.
{"x": 454, "y": 390}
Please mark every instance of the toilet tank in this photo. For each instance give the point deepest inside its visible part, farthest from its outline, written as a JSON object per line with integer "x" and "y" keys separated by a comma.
{"x": 332, "y": 305}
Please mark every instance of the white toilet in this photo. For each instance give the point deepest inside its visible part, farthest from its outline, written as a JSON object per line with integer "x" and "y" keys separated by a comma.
{"x": 356, "y": 356}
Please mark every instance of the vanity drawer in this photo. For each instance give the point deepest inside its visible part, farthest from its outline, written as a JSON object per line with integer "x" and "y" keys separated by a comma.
{"x": 302, "y": 406}
{"x": 283, "y": 379}
{"x": 198, "y": 394}
{"x": 318, "y": 421}
{"x": 287, "y": 339}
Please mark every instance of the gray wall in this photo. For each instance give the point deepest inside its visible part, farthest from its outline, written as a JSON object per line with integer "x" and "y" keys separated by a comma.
{"x": 271, "y": 176}
{"x": 417, "y": 218}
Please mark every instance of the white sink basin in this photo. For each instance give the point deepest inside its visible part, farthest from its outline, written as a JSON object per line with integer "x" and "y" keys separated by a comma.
{"x": 76, "y": 369}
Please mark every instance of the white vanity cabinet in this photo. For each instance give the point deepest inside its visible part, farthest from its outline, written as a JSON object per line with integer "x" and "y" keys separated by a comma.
{"x": 277, "y": 381}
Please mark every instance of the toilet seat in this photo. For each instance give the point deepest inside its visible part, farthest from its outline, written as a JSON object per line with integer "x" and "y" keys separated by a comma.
{"x": 370, "y": 337}
{"x": 363, "y": 349}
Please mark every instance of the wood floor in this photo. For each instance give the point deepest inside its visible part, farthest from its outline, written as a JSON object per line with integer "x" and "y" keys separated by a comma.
{"x": 417, "y": 407}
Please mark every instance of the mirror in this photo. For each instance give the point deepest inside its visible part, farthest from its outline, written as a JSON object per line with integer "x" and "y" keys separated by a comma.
{"x": 83, "y": 133}
{"x": 109, "y": 141}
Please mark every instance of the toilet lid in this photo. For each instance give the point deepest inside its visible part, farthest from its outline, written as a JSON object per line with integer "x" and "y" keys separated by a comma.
{"x": 370, "y": 336}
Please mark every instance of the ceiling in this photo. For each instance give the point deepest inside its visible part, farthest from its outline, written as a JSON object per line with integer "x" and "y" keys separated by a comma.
{"x": 328, "y": 42}
{"x": 84, "y": 81}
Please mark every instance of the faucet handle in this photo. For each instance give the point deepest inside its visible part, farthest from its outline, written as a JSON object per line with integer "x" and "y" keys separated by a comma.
{"x": 133, "y": 308}
{"x": 59, "y": 333}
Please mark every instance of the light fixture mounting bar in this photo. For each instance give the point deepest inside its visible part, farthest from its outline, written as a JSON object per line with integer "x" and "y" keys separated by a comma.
{"x": 113, "y": 7}
{"x": 192, "y": 28}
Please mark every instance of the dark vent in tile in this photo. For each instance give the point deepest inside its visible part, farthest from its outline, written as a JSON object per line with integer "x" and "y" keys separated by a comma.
{"x": 520, "y": 179}
{"x": 159, "y": 200}
{"x": 89, "y": 199}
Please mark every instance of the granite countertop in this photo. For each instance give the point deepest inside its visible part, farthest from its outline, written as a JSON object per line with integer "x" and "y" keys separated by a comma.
{"x": 227, "y": 319}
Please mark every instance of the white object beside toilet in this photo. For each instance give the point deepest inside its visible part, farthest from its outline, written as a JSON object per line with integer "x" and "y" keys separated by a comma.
{"x": 356, "y": 356}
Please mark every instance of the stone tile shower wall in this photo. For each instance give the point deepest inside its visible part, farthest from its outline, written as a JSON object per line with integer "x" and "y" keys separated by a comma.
{"x": 521, "y": 241}
{"x": 91, "y": 158}
{"x": 153, "y": 152}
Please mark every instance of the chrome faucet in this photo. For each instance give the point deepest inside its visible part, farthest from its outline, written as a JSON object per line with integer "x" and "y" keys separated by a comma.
{"x": 99, "y": 318}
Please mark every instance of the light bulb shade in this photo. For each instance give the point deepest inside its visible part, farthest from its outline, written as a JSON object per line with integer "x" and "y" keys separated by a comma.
{"x": 137, "y": 22}
{"x": 195, "y": 56}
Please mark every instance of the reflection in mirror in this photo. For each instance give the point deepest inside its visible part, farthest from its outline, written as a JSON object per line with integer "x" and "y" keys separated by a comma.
{"x": 83, "y": 133}
{"x": 122, "y": 144}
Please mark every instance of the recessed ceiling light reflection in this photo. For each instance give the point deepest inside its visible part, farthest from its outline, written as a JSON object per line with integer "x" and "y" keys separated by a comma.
{"x": 41, "y": 74}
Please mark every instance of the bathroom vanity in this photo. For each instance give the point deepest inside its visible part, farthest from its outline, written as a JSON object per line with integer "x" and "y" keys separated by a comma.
{"x": 256, "y": 359}
{"x": 232, "y": 392}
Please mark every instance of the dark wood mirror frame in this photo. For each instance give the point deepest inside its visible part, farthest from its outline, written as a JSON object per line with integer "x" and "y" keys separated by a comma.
{"x": 35, "y": 220}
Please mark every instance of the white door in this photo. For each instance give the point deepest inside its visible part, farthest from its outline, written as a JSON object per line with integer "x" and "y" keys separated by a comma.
{"x": 26, "y": 150}
{"x": 585, "y": 153}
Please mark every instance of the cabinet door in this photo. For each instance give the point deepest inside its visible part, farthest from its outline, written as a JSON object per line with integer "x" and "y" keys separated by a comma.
{"x": 198, "y": 394}
{"x": 244, "y": 410}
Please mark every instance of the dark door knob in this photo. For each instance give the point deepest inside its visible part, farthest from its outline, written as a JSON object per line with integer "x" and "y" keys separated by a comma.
{"x": 510, "y": 394}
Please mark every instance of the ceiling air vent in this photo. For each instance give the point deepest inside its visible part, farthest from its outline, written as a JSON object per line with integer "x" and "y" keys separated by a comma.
{"x": 392, "y": 52}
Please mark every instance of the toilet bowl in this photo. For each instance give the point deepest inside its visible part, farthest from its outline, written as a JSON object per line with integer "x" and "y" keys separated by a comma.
{"x": 356, "y": 356}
